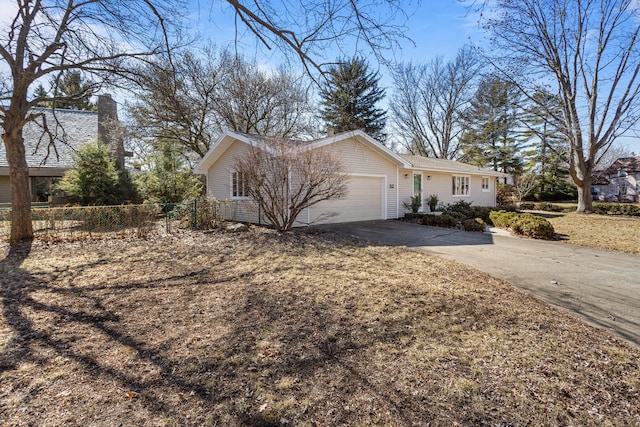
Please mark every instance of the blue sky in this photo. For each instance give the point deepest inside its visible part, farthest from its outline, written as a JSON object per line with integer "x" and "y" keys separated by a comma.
{"x": 436, "y": 27}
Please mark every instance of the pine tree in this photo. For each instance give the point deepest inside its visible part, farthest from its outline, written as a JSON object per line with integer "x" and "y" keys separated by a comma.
{"x": 492, "y": 139}
{"x": 94, "y": 179}
{"x": 73, "y": 92}
{"x": 168, "y": 180}
{"x": 549, "y": 153}
{"x": 349, "y": 99}
{"x": 41, "y": 95}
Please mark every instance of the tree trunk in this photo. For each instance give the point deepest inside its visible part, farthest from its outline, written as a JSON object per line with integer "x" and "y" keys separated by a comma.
{"x": 21, "y": 227}
{"x": 585, "y": 201}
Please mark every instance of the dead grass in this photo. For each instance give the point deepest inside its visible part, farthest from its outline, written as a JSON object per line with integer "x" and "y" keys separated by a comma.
{"x": 292, "y": 329}
{"x": 616, "y": 233}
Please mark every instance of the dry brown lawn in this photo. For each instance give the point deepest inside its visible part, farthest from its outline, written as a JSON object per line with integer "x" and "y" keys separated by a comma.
{"x": 267, "y": 329}
{"x": 618, "y": 233}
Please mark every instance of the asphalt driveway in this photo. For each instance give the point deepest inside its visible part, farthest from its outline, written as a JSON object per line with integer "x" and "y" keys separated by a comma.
{"x": 602, "y": 287}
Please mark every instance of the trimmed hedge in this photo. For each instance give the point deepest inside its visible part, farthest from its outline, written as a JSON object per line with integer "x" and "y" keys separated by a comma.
{"x": 465, "y": 210}
{"x": 476, "y": 224}
{"x": 616, "y": 209}
{"x": 444, "y": 220}
{"x": 549, "y": 207}
{"x": 529, "y": 206}
{"x": 524, "y": 224}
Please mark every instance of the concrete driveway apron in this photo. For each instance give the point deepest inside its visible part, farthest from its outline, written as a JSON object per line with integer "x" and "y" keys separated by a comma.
{"x": 601, "y": 287}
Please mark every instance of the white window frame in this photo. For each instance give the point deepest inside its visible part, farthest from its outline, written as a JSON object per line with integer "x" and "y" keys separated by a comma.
{"x": 486, "y": 188}
{"x": 234, "y": 184}
{"x": 463, "y": 185}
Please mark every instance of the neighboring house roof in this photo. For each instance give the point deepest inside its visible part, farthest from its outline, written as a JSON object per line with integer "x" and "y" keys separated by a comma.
{"x": 631, "y": 164}
{"x": 69, "y": 128}
{"x": 444, "y": 165}
{"x": 401, "y": 160}
{"x": 599, "y": 178}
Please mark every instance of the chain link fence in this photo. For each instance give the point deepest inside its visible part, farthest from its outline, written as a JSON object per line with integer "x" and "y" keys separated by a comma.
{"x": 96, "y": 222}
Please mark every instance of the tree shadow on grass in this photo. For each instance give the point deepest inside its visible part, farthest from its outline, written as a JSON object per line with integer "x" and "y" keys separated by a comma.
{"x": 226, "y": 379}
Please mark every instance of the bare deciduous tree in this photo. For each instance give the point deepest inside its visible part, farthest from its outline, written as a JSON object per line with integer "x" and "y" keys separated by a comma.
{"x": 524, "y": 185}
{"x": 201, "y": 96}
{"x": 251, "y": 100}
{"x": 285, "y": 177}
{"x": 47, "y": 39}
{"x": 429, "y": 102}
{"x": 178, "y": 102}
{"x": 587, "y": 52}
{"x": 310, "y": 28}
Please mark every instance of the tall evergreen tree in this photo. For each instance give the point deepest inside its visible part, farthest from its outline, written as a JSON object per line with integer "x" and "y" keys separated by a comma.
{"x": 169, "y": 179}
{"x": 549, "y": 148}
{"x": 41, "y": 95}
{"x": 349, "y": 99}
{"x": 492, "y": 138}
{"x": 94, "y": 179}
{"x": 73, "y": 91}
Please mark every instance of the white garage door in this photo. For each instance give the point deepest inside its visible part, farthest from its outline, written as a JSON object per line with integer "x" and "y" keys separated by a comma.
{"x": 363, "y": 202}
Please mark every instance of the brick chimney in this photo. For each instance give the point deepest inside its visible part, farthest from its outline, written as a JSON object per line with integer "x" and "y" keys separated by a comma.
{"x": 109, "y": 132}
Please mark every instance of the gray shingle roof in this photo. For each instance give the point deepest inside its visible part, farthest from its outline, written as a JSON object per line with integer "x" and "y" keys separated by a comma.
{"x": 443, "y": 165}
{"x": 74, "y": 129}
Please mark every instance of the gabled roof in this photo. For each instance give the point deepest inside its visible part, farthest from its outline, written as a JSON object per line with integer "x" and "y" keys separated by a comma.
{"x": 74, "y": 129}
{"x": 401, "y": 160}
{"x": 631, "y": 164}
{"x": 448, "y": 166}
{"x": 262, "y": 142}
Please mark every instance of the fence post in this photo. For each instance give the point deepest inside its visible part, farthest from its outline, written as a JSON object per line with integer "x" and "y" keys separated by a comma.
{"x": 195, "y": 214}
{"x": 166, "y": 217}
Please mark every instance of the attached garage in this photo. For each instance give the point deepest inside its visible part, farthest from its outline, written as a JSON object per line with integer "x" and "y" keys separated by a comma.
{"x": 365, "y": 200}
{"x": 380, "y": 182}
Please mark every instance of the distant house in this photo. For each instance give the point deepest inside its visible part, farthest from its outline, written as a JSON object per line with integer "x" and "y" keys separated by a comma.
{"x": 379, "y": 183}
{"x": 70, "y": 129}
{"x": 619, "y": 182}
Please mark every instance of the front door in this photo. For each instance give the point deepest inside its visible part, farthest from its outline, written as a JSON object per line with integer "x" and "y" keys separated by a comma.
{"x": 417, "y": 189}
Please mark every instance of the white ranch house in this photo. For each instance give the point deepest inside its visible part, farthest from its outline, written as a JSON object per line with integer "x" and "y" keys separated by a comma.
{"x": 379, "y": 180}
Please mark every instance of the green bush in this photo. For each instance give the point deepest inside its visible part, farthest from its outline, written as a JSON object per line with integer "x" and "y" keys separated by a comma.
{"x": 527, "y": 206}
{"x": 414, "y": 204}
{"x": 533, "y": 226}
{"x": 524, "y": 224}
{"x": 616, "y": 209}
{"x": 549, "y": 207}
{"x": 476, "y": 224}
{"x": 464, "y": 210}
{"x": 502, "y": 218}
{"x": 556, "y": 196}
{"x": 446, "y": 220}
{"x": 509, "y": 207}
{"x": 430, "y": 220}
{"x": 459, "y": 216}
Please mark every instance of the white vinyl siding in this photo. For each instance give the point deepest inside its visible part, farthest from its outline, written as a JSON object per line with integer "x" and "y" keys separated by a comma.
{"x": 360, "y": 160}
{"x": 440, "y": 183}
{"x": 219, "y": 186}
{"x": 5, "y": 190}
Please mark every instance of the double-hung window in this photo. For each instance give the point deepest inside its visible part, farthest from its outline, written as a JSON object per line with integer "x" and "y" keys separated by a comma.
{"x": 238, "y": 187}
{"x": 485, "y": 184}
{"x": 460, "y": 185}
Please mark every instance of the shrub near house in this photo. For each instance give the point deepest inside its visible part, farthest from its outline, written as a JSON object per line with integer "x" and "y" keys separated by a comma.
{"x": 523, "y": 224}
